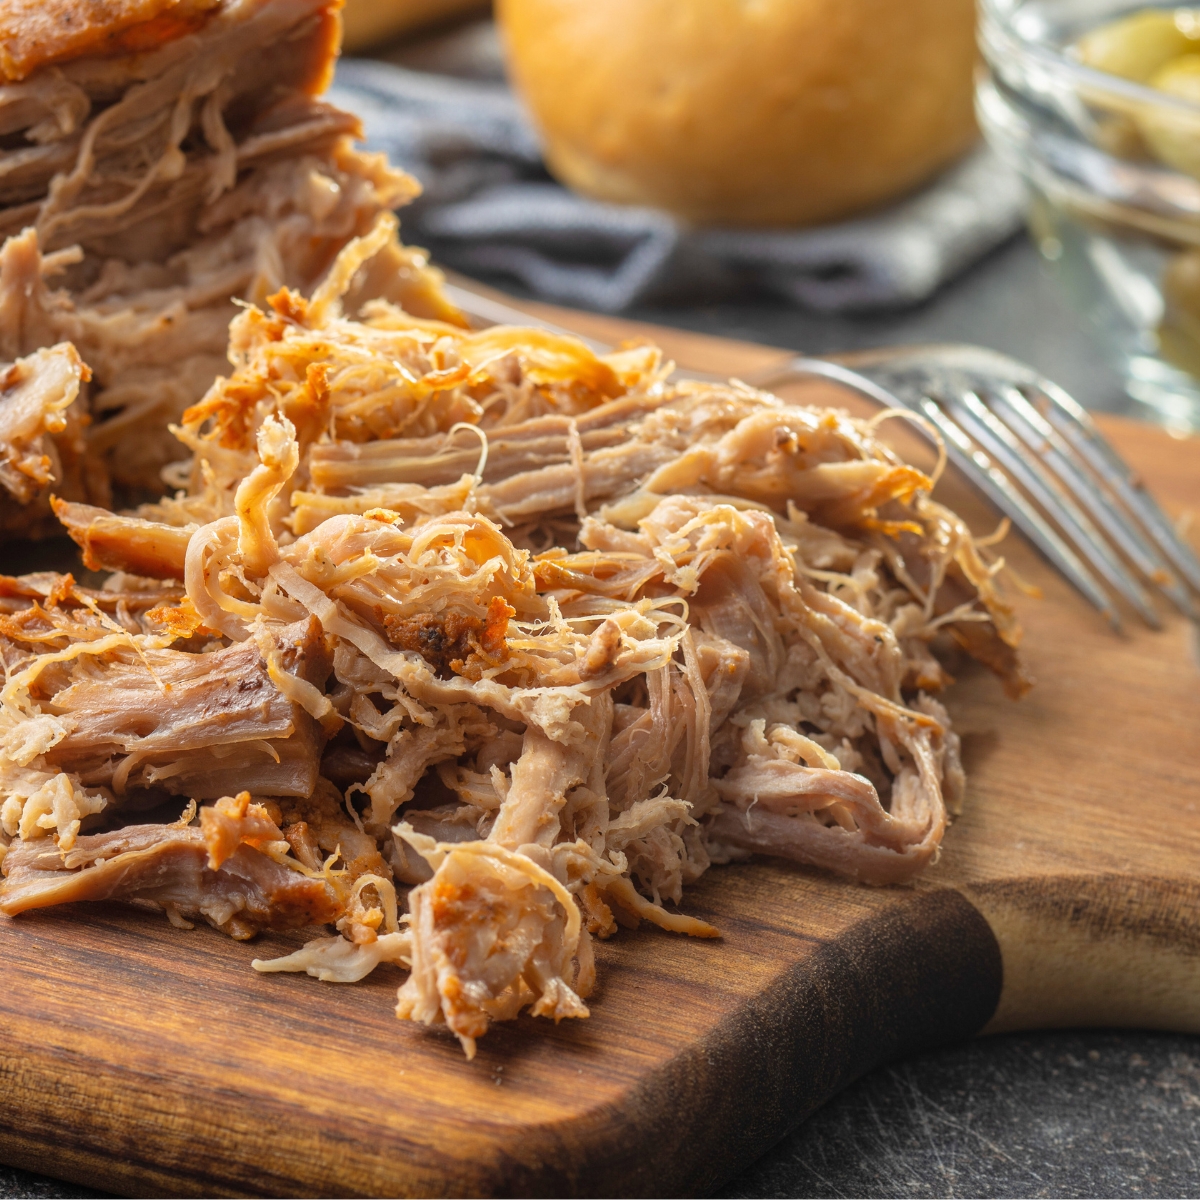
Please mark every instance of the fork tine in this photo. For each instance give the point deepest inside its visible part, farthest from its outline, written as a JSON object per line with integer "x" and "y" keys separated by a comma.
{"x": 1060, "y": 460}
{"x": 825, "y": 368}
{"x": 973, "y": 463}
{"x": 1078, "y": 428}
{"x": 998, "y": 488}
{"x": 990, "y": 432}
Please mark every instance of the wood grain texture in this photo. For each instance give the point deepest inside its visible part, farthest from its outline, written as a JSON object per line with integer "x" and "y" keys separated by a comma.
{"x": 148, "y": 1061}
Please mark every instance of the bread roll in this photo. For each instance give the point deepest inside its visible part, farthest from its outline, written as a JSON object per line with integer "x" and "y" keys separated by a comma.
{"x": 369, "y": 22}
{"x": 745, "y": 112}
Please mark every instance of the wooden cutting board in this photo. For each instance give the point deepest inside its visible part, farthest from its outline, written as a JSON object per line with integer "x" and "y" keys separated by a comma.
{"x": 146, "y": 1061}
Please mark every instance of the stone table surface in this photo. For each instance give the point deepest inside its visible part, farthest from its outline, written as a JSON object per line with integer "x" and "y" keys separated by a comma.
{"x": 1092, "y": 1113}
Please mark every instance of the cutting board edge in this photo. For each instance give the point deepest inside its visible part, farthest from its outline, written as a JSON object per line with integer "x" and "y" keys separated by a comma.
{"x": 858, "y": 997}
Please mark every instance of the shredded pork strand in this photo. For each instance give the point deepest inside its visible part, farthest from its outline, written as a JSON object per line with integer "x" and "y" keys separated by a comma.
{"x": 476, "y": 646}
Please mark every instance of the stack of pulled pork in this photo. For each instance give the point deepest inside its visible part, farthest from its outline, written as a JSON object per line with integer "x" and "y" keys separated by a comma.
{"x": 158, "y": 160}
{"x": 476, "y": 645}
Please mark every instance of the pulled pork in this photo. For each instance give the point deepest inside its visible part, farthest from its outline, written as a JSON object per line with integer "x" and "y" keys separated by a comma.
{"x": 158, "y": 163}
{"x": 536, "y": 634}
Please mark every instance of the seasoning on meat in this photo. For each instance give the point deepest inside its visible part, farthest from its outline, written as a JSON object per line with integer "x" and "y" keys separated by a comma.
{"x": 535, "y": 634}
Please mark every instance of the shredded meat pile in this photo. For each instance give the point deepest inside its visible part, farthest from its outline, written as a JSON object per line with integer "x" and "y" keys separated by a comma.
{"x": 152, "y": 170}
{"x": 533, "y": 635}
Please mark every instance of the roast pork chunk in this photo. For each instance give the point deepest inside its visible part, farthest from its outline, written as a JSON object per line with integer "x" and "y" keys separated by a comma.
{"x": 199, "y": 725}
{"x": 169, "y": 865}
{"x": 158, "y": 160}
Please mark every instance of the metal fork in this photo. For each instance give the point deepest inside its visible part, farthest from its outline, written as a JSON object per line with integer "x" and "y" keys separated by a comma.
{"x": 1024, "y": 443}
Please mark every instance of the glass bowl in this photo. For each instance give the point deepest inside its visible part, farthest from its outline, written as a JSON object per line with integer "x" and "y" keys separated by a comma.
{"x": 1114, "y": 171}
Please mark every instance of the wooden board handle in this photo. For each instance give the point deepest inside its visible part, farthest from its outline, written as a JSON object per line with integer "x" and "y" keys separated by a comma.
{"x": 1103, "y": 949}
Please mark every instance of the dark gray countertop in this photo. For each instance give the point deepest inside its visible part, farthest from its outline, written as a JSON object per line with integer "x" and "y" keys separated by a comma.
{"x": 1057, "y": 1114}
{"x": 1054, "y": 1114}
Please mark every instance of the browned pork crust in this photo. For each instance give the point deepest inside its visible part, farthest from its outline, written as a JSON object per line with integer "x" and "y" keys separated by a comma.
{"x": 38, "y": 33}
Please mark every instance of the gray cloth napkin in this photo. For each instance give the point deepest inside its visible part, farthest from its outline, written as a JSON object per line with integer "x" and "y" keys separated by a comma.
{"x": 490, "y": 208}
